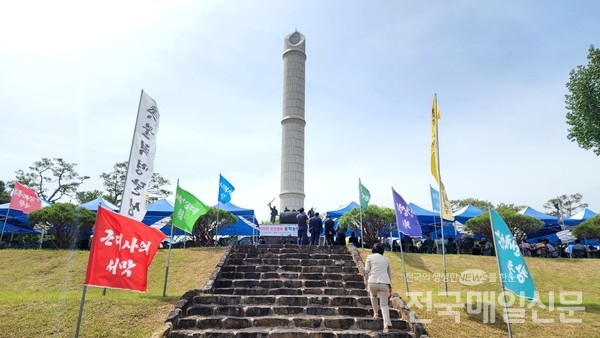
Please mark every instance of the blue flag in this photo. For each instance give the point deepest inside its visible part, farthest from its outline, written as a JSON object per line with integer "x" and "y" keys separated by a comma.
{"x": 435, "y": 199}
{"x": 513, "y": 270}
{"x": 225, "y": 190}
{"x": 405, "y": 218}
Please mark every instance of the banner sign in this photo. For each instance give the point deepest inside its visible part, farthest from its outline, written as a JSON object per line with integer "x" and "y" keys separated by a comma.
{"x": 122, "y": 250}
{"x": 278, "y": 230}
{"x": 141, "y": 159}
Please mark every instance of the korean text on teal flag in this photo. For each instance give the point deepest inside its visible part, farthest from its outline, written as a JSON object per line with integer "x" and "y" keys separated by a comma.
{"x": 513, "y": 270}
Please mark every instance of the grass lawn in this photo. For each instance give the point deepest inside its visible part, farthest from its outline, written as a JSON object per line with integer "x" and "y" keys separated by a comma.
{"x": 467, "y": 311}
{"x": 40, "y": 292}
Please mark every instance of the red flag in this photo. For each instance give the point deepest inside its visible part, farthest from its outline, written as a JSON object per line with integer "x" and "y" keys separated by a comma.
{"x": 24, "y": 199}
{"x": 122, "y": 250}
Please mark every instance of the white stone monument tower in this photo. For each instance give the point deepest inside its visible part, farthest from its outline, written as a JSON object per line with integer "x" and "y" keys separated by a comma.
{"x": 291, "y": 195}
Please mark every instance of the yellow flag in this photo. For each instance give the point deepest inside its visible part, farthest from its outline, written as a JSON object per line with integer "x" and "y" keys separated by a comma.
{"x": 446, "y": 206}
{"x": 435, "y": 116}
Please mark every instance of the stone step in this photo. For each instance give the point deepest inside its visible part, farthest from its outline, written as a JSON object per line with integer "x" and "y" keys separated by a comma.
{"x": 289, "y": 261}
{"x": 277, "y": 268}
{"x": 307, "y": 255}
{"x": 290, "y": 291}
{"x": 278, "y": 283}
{"x": 284, "y": 300}
{"x": 292, "y": 275}
{"x": 208, "y": 310}
{"x": 277, "y": 248}
{"x": 231, "y": 322}
{"x": 288, "y": 333}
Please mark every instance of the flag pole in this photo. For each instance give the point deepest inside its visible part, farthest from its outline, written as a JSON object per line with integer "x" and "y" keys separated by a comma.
{"x": 169, "y": 254}
{"x": 80, "y": 310}
{"x": 437, "y": 155}
{"x": 362, "y": 231}
{"x": 504, "y": 305}
{"x": 403, "y": 263}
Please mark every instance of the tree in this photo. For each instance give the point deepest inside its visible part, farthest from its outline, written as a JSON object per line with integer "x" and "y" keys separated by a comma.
{"x": 376, "y": 222}
{"x": 204, "y": 228}
{"x": 67, "y": 223}
{"x": 519, "y": 225}
{"x": 583, "y": 103}
{"x": 86, "y": 196}
{"x": 510, "y": 206}
{"x": 52, "y": 179}
{"x": 481, "y": 204}
{"x": 114, "y": 183}
{"x": 588, "y": 229}
{"x": 4, "y": 193}
{"x": 570, "y": 204}
{"x": 155, "y": 190}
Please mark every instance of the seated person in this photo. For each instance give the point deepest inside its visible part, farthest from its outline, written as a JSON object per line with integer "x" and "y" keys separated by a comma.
{"x": 525, "y": 248}
{"x": 584, "y": 250}
{"x": 550, "y": 249}
{"x": 427, "y": 245}
{"x": 451, "y": 247}
{"x": 354, "y": 240}
{"x": 476, "y": 250}
{"x": 538, "y": 247}
{"x": 395, "y": 246}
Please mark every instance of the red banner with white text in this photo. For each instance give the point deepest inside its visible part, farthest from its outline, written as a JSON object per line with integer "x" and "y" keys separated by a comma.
{"x": 122, "y": 250}
{"x": 24, "y": 199}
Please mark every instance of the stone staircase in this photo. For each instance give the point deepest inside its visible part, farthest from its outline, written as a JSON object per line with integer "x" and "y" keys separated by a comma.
{"x": 283, "y": 291}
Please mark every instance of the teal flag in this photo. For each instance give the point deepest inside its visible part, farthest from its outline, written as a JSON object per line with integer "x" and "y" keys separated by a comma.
{"x": 513, "y": 270}
{"x": 187, "y": 210}
{"x": 364, "y": 195}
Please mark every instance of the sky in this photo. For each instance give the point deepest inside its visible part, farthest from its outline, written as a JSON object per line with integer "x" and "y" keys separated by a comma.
{"x": 72, "y": 71}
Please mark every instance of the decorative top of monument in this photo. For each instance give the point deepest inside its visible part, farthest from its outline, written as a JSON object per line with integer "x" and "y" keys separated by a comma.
{"x": 294, "y": 41}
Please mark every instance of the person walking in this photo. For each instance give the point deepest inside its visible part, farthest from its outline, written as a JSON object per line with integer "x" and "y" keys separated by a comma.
{"x": 316, "y": 226}
{"x": 379, "y": 273}
{"x": 302, "y": 220}
{"x": 329, "y": 230}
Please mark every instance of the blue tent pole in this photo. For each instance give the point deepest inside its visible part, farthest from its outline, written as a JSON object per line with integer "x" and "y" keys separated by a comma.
{"x": 4, "y": 226}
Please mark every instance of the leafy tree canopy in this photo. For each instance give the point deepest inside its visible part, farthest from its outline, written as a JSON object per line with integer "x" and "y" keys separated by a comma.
{"x": 376, "y": 221}
{"x": 481, "y": 204}
{"x": 205, "y": 227}
{"x": 66, "y": 222}
{"x": 4, "y": 193}
{"x": 570, "y": 204}
{"x": 52, "y": 179}
{"x": 86, "y": 196}
{"x": 519, "y": 225}
{"x": 588, "y": 229}
{"x": 114, "y": 183}
{"x": 583, "y": 103}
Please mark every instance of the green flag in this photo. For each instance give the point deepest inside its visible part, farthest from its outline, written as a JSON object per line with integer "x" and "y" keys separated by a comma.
{"x": 364, "y": 195}
{"x": 187, "y": 210}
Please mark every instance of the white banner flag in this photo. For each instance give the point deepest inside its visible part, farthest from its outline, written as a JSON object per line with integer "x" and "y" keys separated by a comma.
{"x": 141, "y": 159}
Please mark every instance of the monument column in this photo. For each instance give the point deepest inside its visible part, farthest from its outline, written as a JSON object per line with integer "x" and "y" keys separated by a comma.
{"x": 292, "y": 195}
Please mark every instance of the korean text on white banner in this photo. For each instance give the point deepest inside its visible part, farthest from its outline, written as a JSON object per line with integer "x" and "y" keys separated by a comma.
{"x": 141, "y": 159}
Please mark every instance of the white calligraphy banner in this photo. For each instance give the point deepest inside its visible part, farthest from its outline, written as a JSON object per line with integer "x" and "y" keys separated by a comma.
{"x": 141, "y": 159}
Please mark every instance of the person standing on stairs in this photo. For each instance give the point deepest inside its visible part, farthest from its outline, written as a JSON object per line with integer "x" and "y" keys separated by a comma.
{"x": 379, "y": 274}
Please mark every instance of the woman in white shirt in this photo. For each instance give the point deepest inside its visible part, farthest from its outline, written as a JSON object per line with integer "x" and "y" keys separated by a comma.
{"x": 379, "y": 273}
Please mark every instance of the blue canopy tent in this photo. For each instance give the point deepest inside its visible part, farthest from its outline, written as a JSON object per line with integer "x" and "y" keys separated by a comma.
{"x": 336, "y": 214}
{"x": 466, "y": 213}
{"x": 93, "y": 205}
{"x": 246, "y": 225}
{"x": 547, "y": 219}
{"x": 16, "y": 217}
{"x": 17, "y": 230}
{"x": 158, "y": 215}
{"x": 579, "y": 217}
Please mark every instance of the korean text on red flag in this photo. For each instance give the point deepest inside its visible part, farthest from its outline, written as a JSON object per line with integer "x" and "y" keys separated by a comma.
{"x": 24, "y": 199}
{"x": 122, "y": 250}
